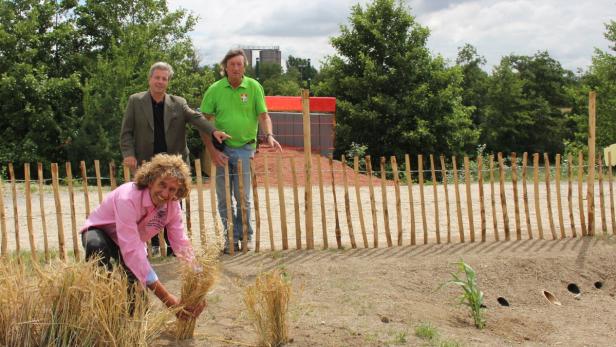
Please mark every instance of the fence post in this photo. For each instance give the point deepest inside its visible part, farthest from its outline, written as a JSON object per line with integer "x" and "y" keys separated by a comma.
{"x": 15, "y": 210}
{"x": 590, "y": 188}
{"x": 42, "y": 209}
{"x": 28, "y": 194}
{"x": 308, "y": 169}
{"x": 59, "y": 221}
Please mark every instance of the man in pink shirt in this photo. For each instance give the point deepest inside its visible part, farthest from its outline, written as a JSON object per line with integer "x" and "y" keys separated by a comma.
{"x": 132, "y": 214}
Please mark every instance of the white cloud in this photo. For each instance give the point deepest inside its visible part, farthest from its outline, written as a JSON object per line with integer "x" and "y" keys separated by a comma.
{"x": 568, "y": 29}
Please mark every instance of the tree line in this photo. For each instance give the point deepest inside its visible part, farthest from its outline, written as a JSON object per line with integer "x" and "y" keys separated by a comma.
{"x": 67, "y": 68}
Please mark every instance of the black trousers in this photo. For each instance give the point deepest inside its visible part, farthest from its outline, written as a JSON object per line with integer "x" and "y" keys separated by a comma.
{"x": 96, "y": 242}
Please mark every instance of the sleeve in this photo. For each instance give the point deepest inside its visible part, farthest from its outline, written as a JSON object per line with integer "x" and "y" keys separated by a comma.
{"x": 131, "y": 246}
{"x": 261, "y": 107}
{"x": 127, "y": 136}
{"x": 208, "y": 105}
{"x": 197, "y": 120}
{"x": 175, "y": 231}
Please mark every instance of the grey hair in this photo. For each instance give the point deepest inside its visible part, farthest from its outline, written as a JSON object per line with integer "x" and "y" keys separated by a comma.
{"x": 231, "y": 54}
{"x": 161, "y": 65}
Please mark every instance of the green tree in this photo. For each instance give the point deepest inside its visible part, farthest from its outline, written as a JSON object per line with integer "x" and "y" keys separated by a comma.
{"x": 393, "y": 96}
{"x": 475, "y": 81}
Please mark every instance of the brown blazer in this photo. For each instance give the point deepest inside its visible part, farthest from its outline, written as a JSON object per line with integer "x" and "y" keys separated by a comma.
{"x": 137, "y": 134}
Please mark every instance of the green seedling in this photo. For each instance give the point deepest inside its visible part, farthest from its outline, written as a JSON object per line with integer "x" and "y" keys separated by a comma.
{"x": 471, "y": 296}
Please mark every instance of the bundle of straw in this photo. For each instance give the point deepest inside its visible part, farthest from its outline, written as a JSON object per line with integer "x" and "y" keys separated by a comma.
{"x": 197, "y": 280}
{"x": 268, "y": 303}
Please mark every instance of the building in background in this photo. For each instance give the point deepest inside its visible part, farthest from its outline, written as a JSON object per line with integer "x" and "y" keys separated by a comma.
{"x": 267, "y": 54}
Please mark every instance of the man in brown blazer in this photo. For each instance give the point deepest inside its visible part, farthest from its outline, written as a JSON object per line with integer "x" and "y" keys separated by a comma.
{"x": 155, "y": 122}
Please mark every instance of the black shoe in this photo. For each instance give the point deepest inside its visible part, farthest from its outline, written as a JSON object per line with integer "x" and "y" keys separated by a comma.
{"x": 170, "y": 252}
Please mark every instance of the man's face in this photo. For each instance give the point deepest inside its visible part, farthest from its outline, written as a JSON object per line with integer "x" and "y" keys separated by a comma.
{"x": 159, "y": 81}
{"x": 235, "y": 67}
{"x": 163, "y": 190}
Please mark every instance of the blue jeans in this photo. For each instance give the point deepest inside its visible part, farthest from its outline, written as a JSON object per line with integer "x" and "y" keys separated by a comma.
{"x": 245, "y": 153}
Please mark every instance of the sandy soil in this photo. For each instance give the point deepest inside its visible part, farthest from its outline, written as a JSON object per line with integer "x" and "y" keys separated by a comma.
{"x": 377, "y": 297}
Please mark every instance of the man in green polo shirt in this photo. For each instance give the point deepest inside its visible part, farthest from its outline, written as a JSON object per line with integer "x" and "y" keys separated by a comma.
{"x": 237, "y": 103}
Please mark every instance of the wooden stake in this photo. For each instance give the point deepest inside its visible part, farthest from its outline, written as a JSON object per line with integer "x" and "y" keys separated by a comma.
{"x": 28, "y": 193}
{"x": 15, "y": 209}
{"x": 516, "y": 204}
{"x": 580, "y": 192}
{"x": 308, "y": 169}
{"x": 322, "y": 200}
{"x": 529, "y": 229}
{"x": 609, "y": 178}
{"x": 230, "y": 225}
{"x": 458, "y": 204}
{"x": 281, "y": 201}
{"x": 337, "y": 230}
{"x": 86, "y": 196}
{"x": 444, "y": 174}
{"x": 243, "y": 207}
{"x": 42, "y": 209}
{"x": 561, "y": 220}
{"x": 347, "y": 203}
{"x": 375, "y": 230}
{"x": 255, "y": 198}
{"x": 435, "y": 193}
{"x": 482, "y": 210}
{"x": 214, "y": 202}
{"x": 97, "y": 171}
{"x": 570, "y": 193}
{"x": 112, "y": 175}
{"x": 360, "y": 209}
{"x": 469, "y": 200}
{"x": 71, "y": 197}
{"x": 409, "y": 184}
{"x": 424, "y": 222}
{"x": 394, "y": 168}
{"x": 493, "y": 199}
{"x": 590, "y": 179}
{"x": 546, "y": 160}
{"x": 536, "y": 191}
{"x": 59, "y": 221}
{"x": 503, "y": 197}
{"x": 126, "y": 172}
{"x": 4, "y": 248}
{"x": 601, "y": 196}
{"x": 384, "y": 201}
{"x": 200, "y": 205}
{"x": 298, "y": 226}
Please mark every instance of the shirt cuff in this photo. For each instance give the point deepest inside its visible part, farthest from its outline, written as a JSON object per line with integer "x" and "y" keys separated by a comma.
{"x": 151, "y": 277}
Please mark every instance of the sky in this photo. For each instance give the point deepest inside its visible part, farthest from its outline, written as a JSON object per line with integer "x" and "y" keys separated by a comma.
{"x": 570, "y": 30}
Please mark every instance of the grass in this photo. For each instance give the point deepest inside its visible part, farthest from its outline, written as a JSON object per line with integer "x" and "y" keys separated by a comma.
{"x": 429, "y": 333}
{"x": 471, "y": 295}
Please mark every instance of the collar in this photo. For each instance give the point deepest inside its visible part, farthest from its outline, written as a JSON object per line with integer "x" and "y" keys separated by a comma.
{"x": 146, "y": 199}
{"x": 244, "y": 83}
{"x": 162, "y": 102}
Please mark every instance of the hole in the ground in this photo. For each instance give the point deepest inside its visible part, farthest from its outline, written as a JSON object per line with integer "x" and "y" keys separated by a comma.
{"x": 483, "y": 306}
{"x": 551, "y": 298}
{"x": 598, "y": 284}
{"x": 502, "y": 301}
{"x": 573, "y": 288}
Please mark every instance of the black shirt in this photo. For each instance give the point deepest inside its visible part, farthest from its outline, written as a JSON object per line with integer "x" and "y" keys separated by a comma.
{"x": 158, "y": 111}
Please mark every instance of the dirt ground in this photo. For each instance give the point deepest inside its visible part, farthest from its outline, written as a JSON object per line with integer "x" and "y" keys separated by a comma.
{"x": 377, "y": 297}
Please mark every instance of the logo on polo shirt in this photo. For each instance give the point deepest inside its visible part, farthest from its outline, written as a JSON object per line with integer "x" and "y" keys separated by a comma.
{"x": 244, "y": 97}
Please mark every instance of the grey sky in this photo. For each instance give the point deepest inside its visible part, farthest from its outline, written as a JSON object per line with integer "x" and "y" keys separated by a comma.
{"x": 569, "y": 30}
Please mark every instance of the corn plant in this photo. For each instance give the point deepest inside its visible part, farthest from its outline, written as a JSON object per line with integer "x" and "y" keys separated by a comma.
{"x": 471, "y": 296}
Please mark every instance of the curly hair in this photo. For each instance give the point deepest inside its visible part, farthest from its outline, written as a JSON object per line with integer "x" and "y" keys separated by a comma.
{"x": 163, "y": 166}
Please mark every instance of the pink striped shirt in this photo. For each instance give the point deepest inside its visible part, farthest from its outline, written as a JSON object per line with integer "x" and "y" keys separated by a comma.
{"x": 129, "y": 217}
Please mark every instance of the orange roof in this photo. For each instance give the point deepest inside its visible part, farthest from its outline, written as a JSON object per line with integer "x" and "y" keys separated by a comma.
{"x": 294, "y": 104}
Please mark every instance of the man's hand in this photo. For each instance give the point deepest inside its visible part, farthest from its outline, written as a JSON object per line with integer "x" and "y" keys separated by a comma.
{"x": 218, "y": 157}
{"x": 130, "y": 162}
{"x": 193, "y": 312}
{"x": 271, "y": 141}
{"x": 220, "y": 136}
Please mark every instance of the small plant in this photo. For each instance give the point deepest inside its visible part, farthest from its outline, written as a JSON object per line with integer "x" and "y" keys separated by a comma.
{"x": 426, "y": 331}
{"x": 471, "y": 296}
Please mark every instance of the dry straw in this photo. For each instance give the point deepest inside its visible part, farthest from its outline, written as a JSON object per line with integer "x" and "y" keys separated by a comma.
{"x": 74, "y": 304}
{"x": 197, "y": 280}
{"x": 268, "y": 302}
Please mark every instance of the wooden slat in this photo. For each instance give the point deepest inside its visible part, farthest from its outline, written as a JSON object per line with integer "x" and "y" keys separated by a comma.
{"x": 590, "y": 178}
{"x": 516, "y": 201}
{"x": 5, "y": 242}
{"x": 458, "y": 203}
{"x": 200, "y": 205}
{"x": 42, "y": 209}
{"x": 71, "y": 199}
{"x": 570, "y": 193}
{"x": 298, "y": 226}
{"x": 469, "y": 199}
{"x": 308, "y": 218}
{"x": 493, "y": 199}
{"x": 15, "y": 209}
{"x": 214, "y": 203}
{"x": 28, "y": 193}
{"x": 384, "y": 203}
{"x": 360, "y": 208}
{"x": 242, "y": 207}
{"x": 601, "y": 196}
{"x": 337, "y": 218}
{"x": 561, "y": 219}
{"x": 281, "y": 203}
{"x": 581, "y": 192}
{"x": 446, "y": 190}
{"x": 84, "y": 178}
{"x": 609, "y": 178}
{"x": 126, "y": 172}
{"x": 97, "y": 171}
{"x": 188, "y": 212}
{"x": 435, "y": 193}
{"x": 529, "y": 228}
{"x": 322, "y": 200}
{"x": 230, "y": 225}
{"x": 375, "y": 230}
{"x": 536, "y": 191}
{"x": 268, "y": 208}
{"x": 347, "y": 203}
{"x": 394, "y": 168}
{"x": 422, "y": 199}
{"x": 112, "y": 175}
{"x": 255, "y": 198}
{"x": 548, "y": 194}
{"x": 409, "y": 184}
{"x": 482, "y": 209}
{"x": 503, "y": 196}
{"x": 59, "y": 221}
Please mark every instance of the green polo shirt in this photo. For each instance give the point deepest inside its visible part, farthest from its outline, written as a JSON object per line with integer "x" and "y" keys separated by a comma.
{"x": 236, "y": 110}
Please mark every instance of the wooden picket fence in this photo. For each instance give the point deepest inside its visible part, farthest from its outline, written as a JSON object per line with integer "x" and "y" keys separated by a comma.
{"x": 464, "y": 205}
